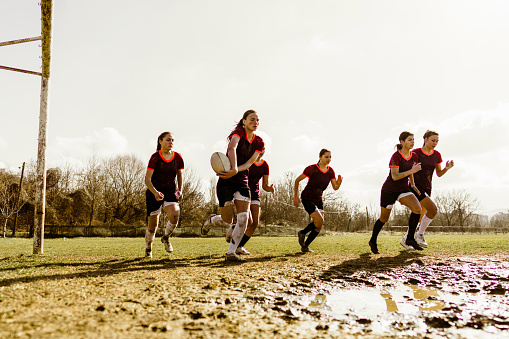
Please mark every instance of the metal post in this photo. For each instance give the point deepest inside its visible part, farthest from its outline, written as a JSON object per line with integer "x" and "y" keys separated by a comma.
{"x": 40, "y": 193}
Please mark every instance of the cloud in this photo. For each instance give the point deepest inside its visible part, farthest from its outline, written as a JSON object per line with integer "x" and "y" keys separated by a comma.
{"x": 104, "y": 143}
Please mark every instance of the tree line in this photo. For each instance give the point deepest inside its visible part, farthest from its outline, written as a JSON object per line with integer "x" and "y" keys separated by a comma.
{"x": 111, "y": 191}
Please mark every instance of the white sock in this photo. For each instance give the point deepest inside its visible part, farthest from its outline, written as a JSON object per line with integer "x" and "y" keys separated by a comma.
{"x": 238, "y": 231}
{"x": 216, "y": 219}
{"x": 169, "y": 228}
{"x": 149, "y": 239}
{"x": 424, "y": 224}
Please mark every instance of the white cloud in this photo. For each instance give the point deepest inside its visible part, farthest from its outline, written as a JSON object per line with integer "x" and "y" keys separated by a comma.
{"x": 104, "y": 143}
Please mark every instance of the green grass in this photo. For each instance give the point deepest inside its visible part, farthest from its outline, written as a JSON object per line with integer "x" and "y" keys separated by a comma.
{"x": 350, "y": 243}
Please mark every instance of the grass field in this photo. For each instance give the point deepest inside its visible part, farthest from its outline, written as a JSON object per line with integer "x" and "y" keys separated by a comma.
{"x": 102, "y": 288}
{"x": 346, "y": 244}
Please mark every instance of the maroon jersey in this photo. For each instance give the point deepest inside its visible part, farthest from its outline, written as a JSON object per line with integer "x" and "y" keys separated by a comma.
{"x": 317, "y": 182}
{"x": 165, "y": 172}
{"x": 256, "y": 172}
{"x": 404, "y": 164}
{"x": 245, "y": 150}
{"x": 429, "y": 163}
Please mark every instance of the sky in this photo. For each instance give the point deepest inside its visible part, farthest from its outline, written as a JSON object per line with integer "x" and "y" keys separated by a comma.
{"x": 348, "y": 76}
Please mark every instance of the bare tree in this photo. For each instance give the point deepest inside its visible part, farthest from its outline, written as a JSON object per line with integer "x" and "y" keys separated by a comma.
{"x": 193, "y": 198}
{"x": 501, "y": 219}
{"x": 456, "y": 207}
{"x": 11, "y": 198}
{"x": 123, "y": 189}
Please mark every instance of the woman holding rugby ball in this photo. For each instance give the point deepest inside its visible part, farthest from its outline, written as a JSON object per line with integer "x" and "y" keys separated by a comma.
{"x": 431, "y": 161}
{"x": 319, "y": 175}
{"x": 232, "y": 188}
{"x": 403, "y": 165}
{"x": 164, "y": 189}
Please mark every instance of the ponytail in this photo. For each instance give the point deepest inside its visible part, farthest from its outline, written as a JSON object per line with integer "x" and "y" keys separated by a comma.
{"x": 402, "y": 137}
{"x": 160, "y": 138}
{"x": 240, "y": 123}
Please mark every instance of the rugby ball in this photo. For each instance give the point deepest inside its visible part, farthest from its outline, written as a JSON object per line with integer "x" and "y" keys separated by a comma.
{"x": 220, "y": 162}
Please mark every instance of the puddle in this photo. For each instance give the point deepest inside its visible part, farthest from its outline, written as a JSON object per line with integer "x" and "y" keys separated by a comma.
{"x": 415, "y": 310}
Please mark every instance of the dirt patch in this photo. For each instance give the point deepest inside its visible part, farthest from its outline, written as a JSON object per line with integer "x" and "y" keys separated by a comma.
{"x": 267, "y": 297}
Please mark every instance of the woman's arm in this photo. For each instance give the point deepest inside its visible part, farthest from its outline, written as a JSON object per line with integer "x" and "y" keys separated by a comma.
{"x": 336, "y": 183}
{"x": 150, "y": 186}
{"x": 448, "y": 165}
{"x": 296, "y": 200}
{"x": 397, "y": 175}
{"x": 232, "y": 155}
{"x": 265, "y": 185}
{"x": 179, "y": 184}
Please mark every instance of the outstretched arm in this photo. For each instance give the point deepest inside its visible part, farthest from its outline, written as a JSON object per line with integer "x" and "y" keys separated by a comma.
{"x": 448, "y": 165}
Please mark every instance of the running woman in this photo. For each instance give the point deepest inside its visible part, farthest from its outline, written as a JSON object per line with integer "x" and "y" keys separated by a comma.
{"x": 431, "y": 161}
{"x": 319, "y": 175}
{"x": 232, "y": 188}
{"x": 403, "y": 165}
{"x": 258, "y": 171}
{"x": 164, "y": 190}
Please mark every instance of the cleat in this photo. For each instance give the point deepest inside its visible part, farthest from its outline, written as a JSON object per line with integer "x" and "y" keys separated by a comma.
{"x": 407, "y": 247}
{"x": 229, "y": 234}
{"x": 419, "y": 238}
{"x": 165, "y": 239}
{"x": 148, "y": 253}
{"x": 207, "y": 225}
{"x": 232, "y": 257}
{"x": 374, "y": 248}
{"x": 305, "y": 249}
{"x": 301, "y": 238}
{"x": 242, "y": 250}
{"x": 414, "y": 244}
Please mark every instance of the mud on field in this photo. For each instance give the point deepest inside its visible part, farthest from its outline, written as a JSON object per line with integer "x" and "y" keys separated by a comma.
{"x": 295, "y": 296}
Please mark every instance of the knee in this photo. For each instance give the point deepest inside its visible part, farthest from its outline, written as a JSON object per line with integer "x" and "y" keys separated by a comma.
{"x": 318, "y": 224}
{"x": 416, "y": 209}
{"x": 432, "y": 212}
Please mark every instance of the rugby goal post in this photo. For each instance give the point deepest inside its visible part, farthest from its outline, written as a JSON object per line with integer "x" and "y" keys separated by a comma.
{"x": 40, "y": 191}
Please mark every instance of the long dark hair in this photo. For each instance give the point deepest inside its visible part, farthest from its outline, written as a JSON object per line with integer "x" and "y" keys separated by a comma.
{"x": 240, "y": 123}
{"x": 160, "y": 138}
{"x": 428, "y": 134}
{"x": 402, "y": 137}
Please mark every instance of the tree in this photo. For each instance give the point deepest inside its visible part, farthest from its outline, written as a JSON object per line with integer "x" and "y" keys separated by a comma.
{"x": 124, "y": 186}
{"x": 456, "y": 207}
{"x": 193, "y": 198}
{"x": 501, "y": 219}
{"x": 11, "y": 198}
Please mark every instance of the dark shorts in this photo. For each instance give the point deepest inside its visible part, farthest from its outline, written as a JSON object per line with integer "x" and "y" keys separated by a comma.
{"x": 226, "y": 191}
{"x": 424, "y": 193}
{"x": 154, "y": 205}
{"x": 311, "y": 206}
{"x": 387, "y": 200}
{"x": 255, "y": 195}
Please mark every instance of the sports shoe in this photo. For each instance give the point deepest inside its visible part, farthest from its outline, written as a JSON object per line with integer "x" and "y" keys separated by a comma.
{"x": 419, "y": 238}
{"x": 207, "y": 225}
{"x": 414, "y": 244}
{"x": 374, "y": 248}
{"x": 242, "y": 250}
{"x": 232, "y": 257}
{"x": 407, "y": 247}
{"x": 302, "y": 238}
{"x": 148, "y": 253}
{"x": 167, "y": 245}
{"x": 229, "y": 234}
{"x": 305, "y": 249}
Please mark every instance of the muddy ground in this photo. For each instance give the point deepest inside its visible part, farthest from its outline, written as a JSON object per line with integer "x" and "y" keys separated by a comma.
{"x": 266, "y": 297}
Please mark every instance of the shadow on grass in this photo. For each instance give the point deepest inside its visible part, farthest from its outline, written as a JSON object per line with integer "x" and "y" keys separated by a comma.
{"x": 116, "y": 266}
{"x": 366, "y": 262}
